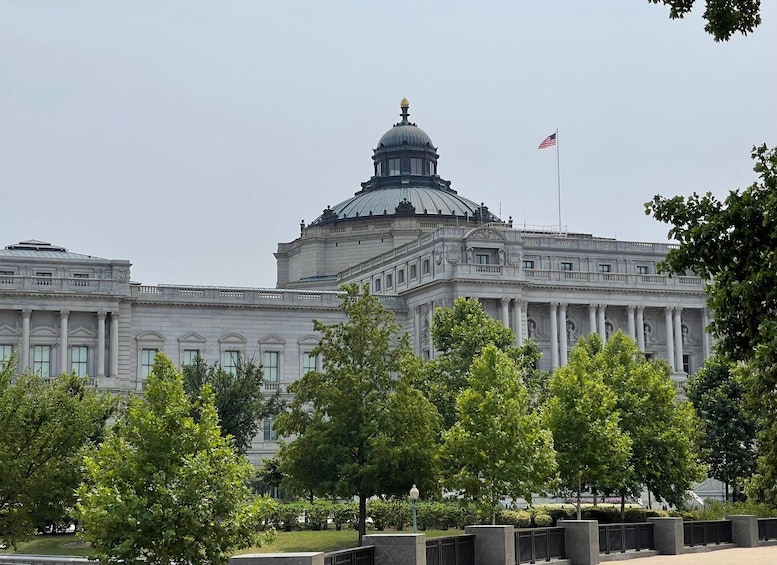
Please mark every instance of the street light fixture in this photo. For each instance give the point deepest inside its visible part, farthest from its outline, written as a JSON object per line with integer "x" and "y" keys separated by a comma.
{"x": 414, "y": 504}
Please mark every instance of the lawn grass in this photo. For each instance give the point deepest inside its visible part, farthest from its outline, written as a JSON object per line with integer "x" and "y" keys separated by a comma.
{"x": 285, "y": 542}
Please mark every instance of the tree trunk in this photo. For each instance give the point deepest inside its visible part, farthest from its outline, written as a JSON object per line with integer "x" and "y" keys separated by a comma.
{"x": 579, "y": 488}
{"x": 362, "y": 517}
{"x": 623, "y": 506}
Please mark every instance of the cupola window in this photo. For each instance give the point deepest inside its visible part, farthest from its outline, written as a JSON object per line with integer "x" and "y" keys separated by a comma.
{"x": 379, "y": 169}
{"x": 416, "y": 166}
{"x": 393, "y": 165}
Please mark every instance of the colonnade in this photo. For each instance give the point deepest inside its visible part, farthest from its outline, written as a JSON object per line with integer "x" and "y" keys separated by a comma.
{"x": 64, "y": 316}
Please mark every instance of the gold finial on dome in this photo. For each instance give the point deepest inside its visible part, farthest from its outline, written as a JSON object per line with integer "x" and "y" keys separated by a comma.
{"x": 404, "y": 103}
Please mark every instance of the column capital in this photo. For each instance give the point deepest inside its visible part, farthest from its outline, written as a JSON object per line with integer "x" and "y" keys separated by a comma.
{"x": 64, "y": 313}
{"x": 554, "y": 305}
{"x": 101, "y": 315}
{"x": 27, "y": 312}
{"x": 678, "y": 309}
{"x": 640, "y": 308}
{"x": 114, "y": 314}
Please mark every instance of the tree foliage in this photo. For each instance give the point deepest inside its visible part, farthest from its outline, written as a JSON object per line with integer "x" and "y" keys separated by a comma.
{"x": 165, "y": 486}
{"x": 724, "y": 17}
{"x": 662, "y": 428}
{"x": 362, "y": 429}
{"x": 733, "y": 244}
{"x": 591, "y": 449}
{"x": 241, "y": 404}
{"x": 498, "y": 446}
{"x": 459, "y": 334}
{"x": 728, "y": 440}
{"x": 44, "y": 423}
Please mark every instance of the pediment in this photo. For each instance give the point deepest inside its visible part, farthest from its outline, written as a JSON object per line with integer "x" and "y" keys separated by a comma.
{"x": 44, "y": 331}
{"x": 232, "y": 338}
{"x": 150, "y": 336}
{"x": 8, "y": 331}
{"x": 192, "y": 337}
{"x": 309, "y": 340}
{"x": 82, "y": 333}
{"x": 485, "y": 233}
{"x": 272, "y": 339}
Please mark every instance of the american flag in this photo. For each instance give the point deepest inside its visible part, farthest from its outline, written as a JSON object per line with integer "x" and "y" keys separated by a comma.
{"x": 549, "y": 141}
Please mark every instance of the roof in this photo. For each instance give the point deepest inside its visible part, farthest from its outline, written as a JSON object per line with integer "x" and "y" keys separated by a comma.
{"x": 36, "y": 248}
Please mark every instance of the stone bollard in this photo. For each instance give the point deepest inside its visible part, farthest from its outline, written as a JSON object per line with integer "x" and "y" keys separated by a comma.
{"x": 744, "y": 530}
{"x": 397, "y": 549}
{"x": 668, "y": 535}
{"x": 306, "y": 558}
{"x": 581, "y": 541}
{"x": 494, "y": 545}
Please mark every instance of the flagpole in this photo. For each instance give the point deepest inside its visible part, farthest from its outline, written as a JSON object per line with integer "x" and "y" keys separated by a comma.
{"x": 558, "y": 181}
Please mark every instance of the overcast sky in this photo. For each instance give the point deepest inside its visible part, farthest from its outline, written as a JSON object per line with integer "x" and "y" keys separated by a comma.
{"x": 191, "y": 137}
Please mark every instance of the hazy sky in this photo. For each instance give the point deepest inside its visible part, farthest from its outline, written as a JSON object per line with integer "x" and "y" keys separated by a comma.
{"x": 191, "y": 137}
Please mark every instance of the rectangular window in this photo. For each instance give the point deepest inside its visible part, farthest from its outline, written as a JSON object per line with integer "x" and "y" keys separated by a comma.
{"x": 270, "y": 366}
{"x": 566, "y": 266}
{"x": 604, "y": 267}
{"x": 43, "y": 279}
{"x": 481, "y": 259}
{"x": 528, "y": 264}
{"x": 376, "y": 284}
{"x": 269, "y": 429}
{"x": 41, "y": 360}
{"x": 648, "y": 355}
{"x": 308, "y": 363}
{"x": 416, "y": 166}
{"x": 80, "y": 279}
{"x": 189, "y": 356}
{"x": 147, "y": 362}
{"x": 393, "y": 166}
{"x": 425, "y": 265}
{"x": 686, "y": 363}
{"x": 389, "y": 281}
{"x": 79, "y": 360}
{"x": 643, "y": 270}
{"x": 231, "y": 361}
{"x": 413, "y": 272}
{"x": 401, "y": 276}
{"x": 5, "y": 352}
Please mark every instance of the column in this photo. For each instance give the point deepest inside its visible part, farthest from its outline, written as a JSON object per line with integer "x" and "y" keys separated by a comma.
{"x": 519, "y": 325}
{"x": 100, "y": 344}
{"x": 63, "y": 316}
{"x": 553, "y": 336}
{"x": 26, "y": 313}
{"x": 678, "y": 339}
{"x": 505, "y": 304}
{"x": 705, "y": 337}
{"x": 630, "y": 322}
{"x": 562, "y": 333}
{"x": 669, "y": 338}
{"x": 641, "y": 328}
{"x": 602, "y": 330}
{"x": 114, "y": 372}
{"x": 591, "y": 319}
{"x": 417, "y": 329}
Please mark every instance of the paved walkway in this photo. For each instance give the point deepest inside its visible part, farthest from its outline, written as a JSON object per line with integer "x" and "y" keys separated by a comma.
{"x": 737, "y": 556}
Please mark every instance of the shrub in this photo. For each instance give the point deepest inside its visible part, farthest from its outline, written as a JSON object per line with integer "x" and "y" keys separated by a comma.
{"x": 345, "y": 513}
{"x": 318, "y": 514}
{"x": 286, "y": 516}
{"x": 542, "y": 519}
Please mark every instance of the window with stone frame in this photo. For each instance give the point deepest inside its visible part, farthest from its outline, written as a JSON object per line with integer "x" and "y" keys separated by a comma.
{"x": 231, "y": 361}
{"x": 41, "y": 360}
{"x": 147, "y": 361}
{"x": 189, "y": 357}
{"x": 271, "y": 361}
{"x": 79, "y": 360}
{"x": 268, "y": 429}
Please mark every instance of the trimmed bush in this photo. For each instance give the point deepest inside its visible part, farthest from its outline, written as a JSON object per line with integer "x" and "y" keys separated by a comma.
{"x": 542, "y": 519}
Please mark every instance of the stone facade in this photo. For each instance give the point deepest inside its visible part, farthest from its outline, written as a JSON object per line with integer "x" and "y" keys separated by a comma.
{"x": 64, "y": 311}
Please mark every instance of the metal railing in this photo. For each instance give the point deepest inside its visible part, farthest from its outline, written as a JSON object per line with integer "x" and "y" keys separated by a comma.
{"x": 705, "y": 532}
{"x": 619, "y": 538}
{"x": 451, "y": 550}
{"x": 767, "y": 529}
{"x": 354, "y": 556}
{"x": 539, "y": 544}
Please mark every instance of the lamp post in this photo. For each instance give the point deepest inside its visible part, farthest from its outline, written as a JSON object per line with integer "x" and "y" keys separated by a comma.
{"x": 414, "y": 505}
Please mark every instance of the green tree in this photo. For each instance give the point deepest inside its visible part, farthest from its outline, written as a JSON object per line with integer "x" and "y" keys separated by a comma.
{"x": 662, "y": 428}
{"x": 240, "y": 401}
{"x": 165, "y": 486}
{"x": 498, "y": 446}
{"x": 459, "y": 334}
{"x": 362, "y": 429}
{"x": 733, "y": 244}
{"x": 729, "y": 431}
{"x": 44, "y": 423}
{"x": 724, "y": 17}
{"x": 591, "y": 449}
